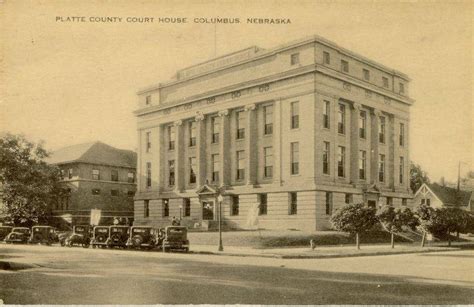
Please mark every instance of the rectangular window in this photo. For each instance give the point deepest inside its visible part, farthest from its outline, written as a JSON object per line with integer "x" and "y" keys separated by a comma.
{"x": 348, "y": 198}
{"x": 192, "y": 170}
{"x": 326, "y": 58}
{"x": 114, "y": 175}
{"x": 171, "y": 137}
{"x": 131, "y": 177}
{"x": 402, "y": 88}
{"x": 366, "y": 74}
{"x": 268, "y": 162}
{"x": 215, "y": 121}
{"x": 401, "y": 140}
{"x": 62, "y": 174}
{"x": 362, "y": 163}
{"x": 114, "y": 192}
{"x": 295, "y": 115}
{"x": 344, "y": 66}
{"x": 382, "y": 130}
{"x": 148, "y": 174}
{"x": 326, "y": 112}
{"x": 171, "y": 173}
{"x": 148, "y": 141}
{"x": 69, "y": 173}
{"x": 404, "y": 202}
{"x": 235, "y": 205}
{"x": 293, "y": 206}
{"x": 148, "y": 100}
{"x": 215, "y": 167}
{"x": 166, "y": 207}
{"x": 146, "y": 208}
{"x": 240, "y": 165}
{"x": 328, "y": 203}
{"x": 240, "y": 125}
{"x": 130, "y": 193}
{"x": 268, "y": 117}
{"x": 295, "y": 158}
{"x": 401, "y": 170}
{"x": 326, "y": 158}
{"x": 381, "y": 168}
{"x": 341, "y": 119}
{"x": 95, "y": 191}
{"x": 341, "y": 160}
{"x": 362, "y": 124}
{"x": 295, "y": 58}
{"x": 428, "y": 202}
{"x": 385, "y": 82}
{"x": 262, "y": 208}
{"x": 192, "y": 133}
{"x": 187, "y": 206}
{"x": 389, "y": 201}
{"x": 95, "y": 174}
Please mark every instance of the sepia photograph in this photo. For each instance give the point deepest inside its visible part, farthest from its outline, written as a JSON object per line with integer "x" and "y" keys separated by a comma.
{"x": 206, "y": 152}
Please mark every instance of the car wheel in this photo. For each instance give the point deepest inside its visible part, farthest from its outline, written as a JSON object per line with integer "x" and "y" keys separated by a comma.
{"x": 186, "y": 250}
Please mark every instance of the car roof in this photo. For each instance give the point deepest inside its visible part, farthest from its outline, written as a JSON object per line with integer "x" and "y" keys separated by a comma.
{"x": 120, "y": 226}
{"x": 21, "y": 228}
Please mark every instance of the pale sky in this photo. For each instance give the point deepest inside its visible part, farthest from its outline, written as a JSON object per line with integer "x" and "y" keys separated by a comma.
{"x": 75, "y": 82}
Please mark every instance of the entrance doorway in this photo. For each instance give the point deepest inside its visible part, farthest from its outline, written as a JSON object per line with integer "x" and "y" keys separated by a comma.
{"x": 208, "y": 210}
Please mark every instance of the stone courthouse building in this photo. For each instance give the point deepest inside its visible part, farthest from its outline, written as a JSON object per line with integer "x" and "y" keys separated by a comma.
{"x": 287, "y": 135}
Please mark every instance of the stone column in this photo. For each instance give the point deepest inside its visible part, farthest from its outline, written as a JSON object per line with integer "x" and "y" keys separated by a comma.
{"x": 374, "y": 146}
{"x": 139, "y": 171}
{"x": 390, "y": 125}
{"x": 179, "y": 156}
{"x": 277, "y": 143}
{"x": 251, "y": 150}
{"x": 224, "y": 149}
{"x": 200, "y": 149}
{"x": 354, "y": 154}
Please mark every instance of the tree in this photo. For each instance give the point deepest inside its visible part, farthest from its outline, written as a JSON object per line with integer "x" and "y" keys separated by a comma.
{"x": 354, "y": 219}
{"x": 424, "y": 214}
{"x": 417, "y": 177}
{"x": 30, "y": 185}
{"x": 393, "y": 220}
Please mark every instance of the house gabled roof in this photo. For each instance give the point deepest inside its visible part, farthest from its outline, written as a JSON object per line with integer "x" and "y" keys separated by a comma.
{"x": 450, "y": 196}
{"x": 94, "y": 153}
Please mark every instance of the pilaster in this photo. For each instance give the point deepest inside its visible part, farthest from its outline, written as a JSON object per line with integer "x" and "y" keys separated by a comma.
{"x": 354, "y": 154}
{"x": 179, "y": 156}
{"x": 200, "y": 149}
{"x": 224, "y": 147}
{"x": 251, "y": 150}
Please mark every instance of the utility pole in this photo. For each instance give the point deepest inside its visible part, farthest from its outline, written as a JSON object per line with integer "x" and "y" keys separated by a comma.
{"x": 459, "y": 175}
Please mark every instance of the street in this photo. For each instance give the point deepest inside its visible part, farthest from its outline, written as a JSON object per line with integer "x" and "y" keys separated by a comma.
{"x": 61, "y": 275}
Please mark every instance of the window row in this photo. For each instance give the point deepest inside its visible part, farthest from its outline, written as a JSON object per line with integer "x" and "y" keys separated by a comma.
{"x": 96, "y": 175}
{"x": 113, "y": 192}
{"x": 184, "y": 208}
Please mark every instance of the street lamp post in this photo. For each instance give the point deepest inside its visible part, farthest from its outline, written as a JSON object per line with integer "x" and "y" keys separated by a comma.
{"x": 180, "y": 211}
{"x": 220, "y": 199}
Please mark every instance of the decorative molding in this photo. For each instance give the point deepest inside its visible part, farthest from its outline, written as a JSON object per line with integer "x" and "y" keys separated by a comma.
{"x": 357, "y": 106}
{"x": 199, "y": 116}
{"x": 250, "y": 107}
{"x": 223, "y": 113}
{"x": 178, "y": 123}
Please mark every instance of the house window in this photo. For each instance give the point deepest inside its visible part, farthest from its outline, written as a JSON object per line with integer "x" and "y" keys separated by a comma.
{"x": 341, "y": 159}
{"x": 326, "y": 112}
{"x": 293, "y": 206}
{"x": 215, "y": 167}
{"x": 187, "y": 206}
{"x": 295, "y": 58}
{"x": 402, "y": 88}
{"x": 326, "y": 158}
{"x": 171, "y": 173}
{"x": 268, "y": 117}
{"x": 131, "y": 177}
{"x": 362, "y": 124}
{"x": 366, "y": 74}
{"x": 215, "y": 129}
{"x": 326, "y": 58}
{"x": 148, "y": 100}
{"x": 240, "y": 125}
{"x": 114, "y": 192}
{"x": 95, "y": 174}
{"x": 235, "y": 205}
{"x": 401, "y": 139}
{"x": 295, "y": 158}
{"x": 95, "y": 191}
{"x": 240, "y": 165}
{"x": 382, "y": 130}
{"x": 69, "y": 173}
{"x": 148, "y": 141}
{"x": 166, "y": 207}
{"x": 295, "y": 115}
{"x": 362, "y": 163}
{"x": 171, "y": 137}
{"x": 192, "y": 170}
{"x": 114, "y": 175}
{"x": 401, "y": 170}
{"x": 344, "y": 66}
{"x": 148, "y": 174}
{"x": 268, "y": 162}
{"x": 262, "y": 208}
{"x": 146, "y": 208}
{"x": 381, "y": 168}
{"x": 389, "y": 201}
{"x": 130, "y": 193}
{"x": 428, "y": 202}
{"x": 341, "y": 120}
{"x": 348, "y": 198}
{"x": 192, "y": 133}
{"x": 328, "y": 203}
{"x": 385, "y": 82}
{"x": 404, "y": 202}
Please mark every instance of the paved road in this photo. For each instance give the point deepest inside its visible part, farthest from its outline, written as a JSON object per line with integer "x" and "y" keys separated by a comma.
{"x": 86, "y": 276}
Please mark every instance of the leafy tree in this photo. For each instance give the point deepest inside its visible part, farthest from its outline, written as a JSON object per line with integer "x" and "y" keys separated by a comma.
{"x": 417, "y": 177}
{"x": 354, "y": 219}
{"x": 393, "y": 220}
{"x": 30, "y": 185}
{"x": 447, "y": 220}
{"x": 424, "y": 214}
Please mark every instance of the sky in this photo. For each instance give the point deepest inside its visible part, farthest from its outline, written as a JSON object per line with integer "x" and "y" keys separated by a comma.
{"x": 69, "y": 82}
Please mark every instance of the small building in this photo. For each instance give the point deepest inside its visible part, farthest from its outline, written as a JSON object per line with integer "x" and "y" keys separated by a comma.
{"x": 98, "y": 176}
{"x": 438, "y": 196}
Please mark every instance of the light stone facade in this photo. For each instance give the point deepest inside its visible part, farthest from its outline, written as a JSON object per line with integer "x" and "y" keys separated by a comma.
{"x": 280, "y": 96}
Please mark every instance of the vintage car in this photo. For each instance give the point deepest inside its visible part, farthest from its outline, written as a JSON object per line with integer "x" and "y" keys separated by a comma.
{"x": 141, "y": 237}
{"x": 18, "y": 235}
{"x": 100, "y": 235}
{"x": 118, "y": 236}
{"x": 43, "y": 235}
{"x": 176, "y": 238}
{"x": 81, "y": 235}
{"x": 4, "y": 231}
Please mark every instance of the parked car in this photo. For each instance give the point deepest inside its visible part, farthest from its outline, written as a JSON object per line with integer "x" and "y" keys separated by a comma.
{"x": 4, "y": 231}
{"x": 176, "y": 238}
{"x": 81, "y": 235}
{"x": 118, "y": 236}
{"x": 99, "y": 236}
{"x": 43, "y": 235}
{"x": 18, "y": 235}
{"x": 141, "y": 237}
